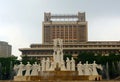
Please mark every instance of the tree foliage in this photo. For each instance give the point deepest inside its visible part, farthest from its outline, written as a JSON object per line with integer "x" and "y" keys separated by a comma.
{"x": 26, "y": 59}
{"x": 67, "y": 56}
{"x": 6, "y": 65}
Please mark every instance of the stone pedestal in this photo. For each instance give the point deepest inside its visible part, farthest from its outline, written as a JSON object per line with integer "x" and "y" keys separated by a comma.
{"x": 27, "y": 78}
{"x": 95, "y": 77}
{"x": 57, "y": 75}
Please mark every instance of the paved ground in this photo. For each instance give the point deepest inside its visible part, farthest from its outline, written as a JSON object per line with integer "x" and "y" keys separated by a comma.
{"x": 58, "y": 81}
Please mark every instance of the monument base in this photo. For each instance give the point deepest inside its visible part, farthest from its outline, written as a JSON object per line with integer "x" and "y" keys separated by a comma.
{"x": 58, "y": 75}
{"x": 89, "y": 77}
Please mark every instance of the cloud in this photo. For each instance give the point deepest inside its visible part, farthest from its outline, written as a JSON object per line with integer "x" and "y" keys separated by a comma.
{"x": 104, "y": 28}
{"x": 14, "y": 36}
{"x": 21, "y": 20}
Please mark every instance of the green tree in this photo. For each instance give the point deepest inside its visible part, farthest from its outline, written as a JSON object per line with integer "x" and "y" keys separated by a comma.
{"x": 26, "y": 59}
{"x": 6, "y": 66}
{"x": 86, "y": 56}
{"x": 67, "y": 56}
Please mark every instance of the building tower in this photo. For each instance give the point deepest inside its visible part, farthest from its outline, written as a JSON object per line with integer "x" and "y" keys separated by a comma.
{"x": 5, "y": 49}
{"x": 70, "y": 28}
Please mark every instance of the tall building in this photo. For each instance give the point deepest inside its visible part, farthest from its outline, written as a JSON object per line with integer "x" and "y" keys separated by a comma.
{"x": 73, "y": 30}
{"x": 5, "y": 49}
{"x": 70, "y": 28}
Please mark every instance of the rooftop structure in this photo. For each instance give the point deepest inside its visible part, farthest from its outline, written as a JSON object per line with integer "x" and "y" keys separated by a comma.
{"x": 80, "y": 17}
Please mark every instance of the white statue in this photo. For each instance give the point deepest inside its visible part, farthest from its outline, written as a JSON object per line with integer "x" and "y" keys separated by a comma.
{"x": 87, "y": 69}
{"x": 52, "y": 66}
{"x": 54, "y": 56}
{"x": 61, "y": 56}
{"x": 94, "y": 68}
{"x": 47, "y": 64}
{"x": 55, "y": 42}
{"x": 35, "y": 68}
{"x": 58, "y": 57}
{"x": 39, "y": 67}
{"x": 15, "y": 68}
{"x": 21, "y": 69}
{"x": 80, "y": 68}
{"x": 62, "y": 67}
{"x": 28, "y": 68}
{"x": 68, "y": 64}
{"x": 43, "y": 64}
{"x": 60, "y": 43}
{"x": 72, "y": 64}
{"x": 58, "y": 53}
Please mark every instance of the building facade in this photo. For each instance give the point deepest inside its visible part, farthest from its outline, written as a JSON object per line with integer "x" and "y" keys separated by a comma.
{"x": 73, "y": 30}
{"x": 5, "y": 49}
{"x": 70, "y": 28}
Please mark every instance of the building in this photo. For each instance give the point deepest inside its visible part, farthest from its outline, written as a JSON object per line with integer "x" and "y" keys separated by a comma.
{"x": 73, "y": 30}
{"x": 70, "y": 28}
{"x": 5, "y": 49}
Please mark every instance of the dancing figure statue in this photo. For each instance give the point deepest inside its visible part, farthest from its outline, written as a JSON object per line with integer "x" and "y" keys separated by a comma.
{"x": 87, "y": 70}
{"x": 58, "y": 57}
{"x": 61, "y": 56}
{"x": 43, "y": 64}
{"x": 27, "y": 68}
{"x": 94, "y": 68}
{"x": 68, "y": 64}
{"x": 15, "y": 69}
{"x": 62, "y": 67}
{"x": 54, "y": 56}
{"x": 72, "y": 64}
{"x": 47, "y": 64}
{"x": 60, "y": 43}
{"x": 52, "y": 66}
{"x": 39, "y": 67}
{"x": 20, "y": 69}
{"x": 80, "y": 68}
{"x": 35, "y": 68}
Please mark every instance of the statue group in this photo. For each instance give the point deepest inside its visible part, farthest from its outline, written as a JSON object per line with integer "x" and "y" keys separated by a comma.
{"x": 30, "y": 70}
{"x": 46, "y": 65}
{"x": 88, "y": 69}
{"x": 57, "y": 62}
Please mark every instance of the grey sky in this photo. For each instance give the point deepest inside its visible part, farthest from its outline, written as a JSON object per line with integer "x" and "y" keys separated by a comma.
{"x": 21, "y": 20}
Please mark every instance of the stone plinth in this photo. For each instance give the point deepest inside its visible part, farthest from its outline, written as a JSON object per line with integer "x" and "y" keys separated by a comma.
{"x": 89, "y": 77}
{"x": 95, "y": 77}
{"x": 27, "y": 78}
{"x": 57, "y": 75}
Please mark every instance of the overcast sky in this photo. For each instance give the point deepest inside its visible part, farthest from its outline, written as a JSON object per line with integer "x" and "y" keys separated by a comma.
{"x": 21, "y": 20}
